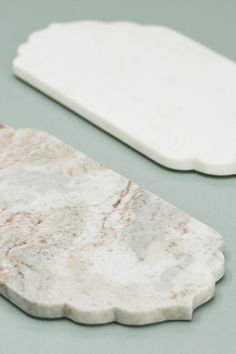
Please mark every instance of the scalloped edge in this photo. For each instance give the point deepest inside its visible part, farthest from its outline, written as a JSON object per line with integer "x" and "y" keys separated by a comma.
{"x": 119, "y": 315}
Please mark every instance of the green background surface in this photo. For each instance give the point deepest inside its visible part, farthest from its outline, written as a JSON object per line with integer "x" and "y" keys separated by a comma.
{"x": 209, "y": 199}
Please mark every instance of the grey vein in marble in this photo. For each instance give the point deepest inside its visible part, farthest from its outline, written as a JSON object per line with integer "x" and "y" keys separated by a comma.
{"x": 80, "y": 241}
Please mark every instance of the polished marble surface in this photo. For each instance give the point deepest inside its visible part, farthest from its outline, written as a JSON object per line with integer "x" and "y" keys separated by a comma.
{"x": 162, "y": 93}
{"x": 209, "y": 199}
{"x": 80, "y": 241}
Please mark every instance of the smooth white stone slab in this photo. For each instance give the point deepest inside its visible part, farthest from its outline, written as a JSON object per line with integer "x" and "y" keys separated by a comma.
{"x": 160, "y": 92}
{"x": 80, "y": 241}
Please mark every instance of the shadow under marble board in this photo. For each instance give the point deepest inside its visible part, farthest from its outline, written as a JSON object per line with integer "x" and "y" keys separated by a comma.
{"x": 165, "y": 95}
{"x": 80, "y": 241}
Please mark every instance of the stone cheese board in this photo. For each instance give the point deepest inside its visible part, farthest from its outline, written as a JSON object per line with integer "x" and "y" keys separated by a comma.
{"x": 157, "y": 90}
{"x": 80, "y": 241}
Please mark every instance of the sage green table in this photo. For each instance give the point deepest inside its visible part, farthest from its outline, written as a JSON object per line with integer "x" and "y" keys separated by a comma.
{"x": 210, "y": 199}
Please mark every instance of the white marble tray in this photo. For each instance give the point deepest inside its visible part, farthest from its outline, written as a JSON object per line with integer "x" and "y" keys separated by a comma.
{"x": 165, "y": 95}
{"x": 80, "y": 241}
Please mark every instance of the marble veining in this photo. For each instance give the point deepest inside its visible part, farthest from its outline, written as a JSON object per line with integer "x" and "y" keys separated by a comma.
{"x": 80, "y": 241}
{"x": 157, "y": 90}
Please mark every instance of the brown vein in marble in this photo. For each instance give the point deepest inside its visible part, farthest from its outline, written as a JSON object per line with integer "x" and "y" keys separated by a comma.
{"x": 122, "y": 195}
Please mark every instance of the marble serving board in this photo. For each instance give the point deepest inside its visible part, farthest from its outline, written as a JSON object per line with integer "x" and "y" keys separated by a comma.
{"x": 160, "y": 92}
{"x": 80, "y": 241}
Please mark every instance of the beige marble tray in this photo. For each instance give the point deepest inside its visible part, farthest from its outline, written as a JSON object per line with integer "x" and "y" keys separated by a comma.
{"x": 80, "y": 241}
